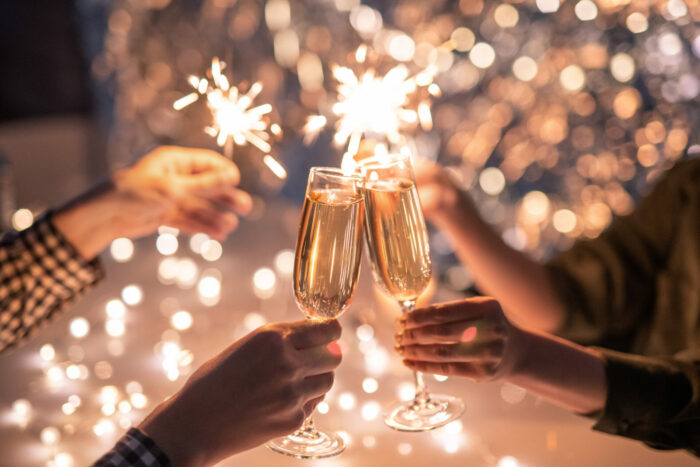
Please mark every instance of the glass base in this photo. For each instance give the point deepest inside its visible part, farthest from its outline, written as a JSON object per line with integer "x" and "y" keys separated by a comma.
{"x": 436, "y": 411}
{"x": 308, "y": 444}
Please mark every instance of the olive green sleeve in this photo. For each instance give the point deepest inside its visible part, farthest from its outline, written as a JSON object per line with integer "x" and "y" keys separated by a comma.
{"x": 654, "y": 400}
{"x": 608, "y": 284}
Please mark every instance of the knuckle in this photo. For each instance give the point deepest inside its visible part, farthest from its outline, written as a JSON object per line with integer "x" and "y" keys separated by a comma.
{"x": 500, "y": 328}
{"x": 493, "y": 305}
{"x": 290, "y": 396}
{"x": 443, "y": 351}
{"x": 285, "y": 368}
{"x": 336, "y": 360}
{"x": 269, "y": 336}
{"x": 445, "y": 368}
{"x": 494, "y": 350}
{"x": 334, "y": 330}
{"x": 489, "y": 371}
{"x": 439, "y": 331}
{"x": 327, "y": 382}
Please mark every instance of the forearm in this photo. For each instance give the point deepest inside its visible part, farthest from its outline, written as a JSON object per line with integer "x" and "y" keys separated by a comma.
{"x": 90, "y": 220}
{"x": 564, "y": 373}
{"x": 521, "y": 285}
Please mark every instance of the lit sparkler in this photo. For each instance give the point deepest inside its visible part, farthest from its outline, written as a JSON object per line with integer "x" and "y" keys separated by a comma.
{"x": 371, "y": 105}
{"x": 234, "y": 120}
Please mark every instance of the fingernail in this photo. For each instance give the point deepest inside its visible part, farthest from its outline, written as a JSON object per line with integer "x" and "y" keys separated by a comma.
{"x": 402, "y": 320}
{"x": 398, "y": 348}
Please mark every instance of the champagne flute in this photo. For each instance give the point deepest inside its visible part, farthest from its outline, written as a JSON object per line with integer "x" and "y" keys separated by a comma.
{"x": 326, "y": 268}
{"x": 398, "y": 246}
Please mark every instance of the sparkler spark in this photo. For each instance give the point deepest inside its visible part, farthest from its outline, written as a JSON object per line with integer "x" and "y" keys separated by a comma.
{"x": 234, "y": 120}
{"x": 368, "y": 104}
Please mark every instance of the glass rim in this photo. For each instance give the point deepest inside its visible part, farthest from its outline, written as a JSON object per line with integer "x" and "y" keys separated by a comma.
{"x": 335, "y": 173}
{"x": 384, "y": 161}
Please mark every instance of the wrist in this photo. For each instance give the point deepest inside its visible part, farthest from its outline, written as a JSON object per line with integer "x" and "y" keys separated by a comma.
{"x": 565, "y": 373}
{"x": 88, "y": 221}
{"x": 522, "y": 342}
{"x": 165, "y": 428}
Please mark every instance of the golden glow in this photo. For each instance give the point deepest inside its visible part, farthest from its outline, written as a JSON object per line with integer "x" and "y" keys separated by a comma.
{"x": 505, "y": 15}
{"x": 463, "y": 39}
{"x": 22, "y": 219}
{"x": 572, "y": 78}
{"x": 586, "y": 10}
{"x": 626, "y": 103}
{"x": 622, "y": 67}
{"x": 525, "y": 68}
{"x": 564, "y": 220}
{"x": 637, "y": 22}
{"x": 482, "y": 55}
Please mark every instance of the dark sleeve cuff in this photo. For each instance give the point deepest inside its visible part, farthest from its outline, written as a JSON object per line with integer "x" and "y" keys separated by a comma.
{"x": 135, "y": 448}
{"x": 645, "y": 395}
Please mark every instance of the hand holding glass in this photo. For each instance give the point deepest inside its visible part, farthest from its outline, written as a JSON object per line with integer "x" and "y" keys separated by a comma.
{"x": 398, "y": 245}
{"x": 326, "y": 268}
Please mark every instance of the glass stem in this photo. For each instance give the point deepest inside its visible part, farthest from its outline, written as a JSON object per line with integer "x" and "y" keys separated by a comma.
{"x": 308, "y": 425}
{"x": 421, "y": 396}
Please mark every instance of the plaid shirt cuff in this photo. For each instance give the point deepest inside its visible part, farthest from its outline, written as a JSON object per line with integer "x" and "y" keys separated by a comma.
{"x": 41, "y": 273}
{"x": 134, "y": 449}
{"x": 81, "y": 274}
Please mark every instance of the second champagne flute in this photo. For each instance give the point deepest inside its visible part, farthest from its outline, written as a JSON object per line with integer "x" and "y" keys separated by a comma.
{"x": 398, "y": 245}
{"x": 326, "y": 268}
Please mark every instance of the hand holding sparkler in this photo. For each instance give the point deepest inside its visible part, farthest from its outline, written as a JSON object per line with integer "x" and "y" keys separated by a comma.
{"x": 189, "y": 189}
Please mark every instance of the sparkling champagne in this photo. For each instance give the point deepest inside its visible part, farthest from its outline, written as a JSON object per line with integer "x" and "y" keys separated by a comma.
{"x": 397, "y": 238}
{"x": 328, "y": 253}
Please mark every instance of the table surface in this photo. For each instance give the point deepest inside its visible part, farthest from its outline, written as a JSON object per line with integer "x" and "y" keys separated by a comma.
{"x": 500, "y": 420}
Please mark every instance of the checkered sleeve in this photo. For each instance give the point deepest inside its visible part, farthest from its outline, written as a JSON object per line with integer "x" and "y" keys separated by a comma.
{"x": 134, "y": 449}
{"x": 40, "y": 273}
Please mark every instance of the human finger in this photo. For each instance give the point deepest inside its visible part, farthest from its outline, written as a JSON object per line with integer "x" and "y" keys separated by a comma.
{"x": 460, "y": 310}
{"x": 237, "y": 200}
{"x": 446, "y": 333}
{"x": 194, "y": 221}
{"x": 319, "y": 359}
{"x": 218, "y": 223}
{"x": 491, "y": 352}
{"x": 305, "y": 334}
{"x": 317, "y": 385}
{"x": 189, "y": 225}
{"x": 207, "y": 184}
{"x": 310, "y": 406}
{"x": 198, "y": 161}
